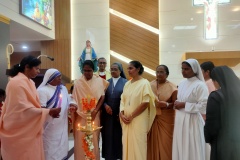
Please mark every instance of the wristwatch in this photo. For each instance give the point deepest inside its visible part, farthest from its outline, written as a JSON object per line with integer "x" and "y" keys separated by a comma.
{"x": 167, "y": 104}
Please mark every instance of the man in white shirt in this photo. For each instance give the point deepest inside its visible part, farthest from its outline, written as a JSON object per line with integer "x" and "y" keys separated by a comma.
{"x": 102, "y": 72}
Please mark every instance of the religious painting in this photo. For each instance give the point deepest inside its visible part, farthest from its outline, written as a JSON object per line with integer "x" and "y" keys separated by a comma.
{"x": 210, "y": 19}
{"x": 200, "y": 2}
{"x": 40, "y": 11}
{"x": 210, "y": 16}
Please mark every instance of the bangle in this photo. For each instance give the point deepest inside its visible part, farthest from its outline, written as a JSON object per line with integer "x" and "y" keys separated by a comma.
{"x": 167, "y": 104}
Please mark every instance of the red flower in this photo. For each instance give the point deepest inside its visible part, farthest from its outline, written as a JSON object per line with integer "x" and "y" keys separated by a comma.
{"x": 88, "y": 153}
{"x": 88, "y": 106}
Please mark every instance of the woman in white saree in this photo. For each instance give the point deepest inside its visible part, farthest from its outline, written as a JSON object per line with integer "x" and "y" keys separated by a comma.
{"x": 188, "y": 136}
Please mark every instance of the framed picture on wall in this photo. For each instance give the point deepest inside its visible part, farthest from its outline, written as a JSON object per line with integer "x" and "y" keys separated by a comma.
{"x": 40, "y": 11}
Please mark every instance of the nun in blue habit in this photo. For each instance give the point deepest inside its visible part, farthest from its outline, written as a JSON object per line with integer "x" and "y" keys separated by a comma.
{"x": 112, "y": 131}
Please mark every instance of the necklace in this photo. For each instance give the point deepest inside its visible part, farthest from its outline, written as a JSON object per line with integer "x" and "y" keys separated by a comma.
{"x": 158, "y": 90}
{"x": 130, "y": 97}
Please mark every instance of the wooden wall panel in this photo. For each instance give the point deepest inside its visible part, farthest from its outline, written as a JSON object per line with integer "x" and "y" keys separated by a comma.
{"x": 229, "y": 58}
{"x": 60, "y": 48}
{"x": 146, "y": 75}
{"x": 132, "y": 41}
{"x": 143, "y": 10}
{"x": 16, "y": 57}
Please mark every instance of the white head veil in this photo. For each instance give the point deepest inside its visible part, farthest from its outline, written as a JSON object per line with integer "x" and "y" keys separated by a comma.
{"x": 49, "y": 76}
{"x": 196, "y": 68}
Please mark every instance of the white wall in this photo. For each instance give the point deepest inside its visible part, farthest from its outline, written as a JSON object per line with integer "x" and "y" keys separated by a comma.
{"x": 10, "y": 9}
{"x": 174, "y": 43}
{"x": 90, "y": 21}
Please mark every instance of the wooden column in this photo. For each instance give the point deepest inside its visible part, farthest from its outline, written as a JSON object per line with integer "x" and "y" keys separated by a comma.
{"x": 60, "y": 48}
{"x": 5, "y": 40}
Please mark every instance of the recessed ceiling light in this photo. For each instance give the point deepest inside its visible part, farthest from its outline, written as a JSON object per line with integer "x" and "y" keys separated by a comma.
{"x": 184, "y": 27}
{"x": 236, "y": 9}
{"x": 24, "y": 47}
{"x": 234, "y": 26}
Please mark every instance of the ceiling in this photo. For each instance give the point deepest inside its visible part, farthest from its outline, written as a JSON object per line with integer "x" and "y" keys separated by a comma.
{"x": 173, "y": 13}
{"x": 23, "y": 36}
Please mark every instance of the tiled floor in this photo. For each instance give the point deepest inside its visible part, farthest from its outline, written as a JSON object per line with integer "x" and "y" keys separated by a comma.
{"x": 71, "y": 144}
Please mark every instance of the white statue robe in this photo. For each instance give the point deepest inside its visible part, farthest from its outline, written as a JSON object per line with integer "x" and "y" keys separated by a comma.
{"x": 55, "y": 135}
{"x": 188, "y": 137}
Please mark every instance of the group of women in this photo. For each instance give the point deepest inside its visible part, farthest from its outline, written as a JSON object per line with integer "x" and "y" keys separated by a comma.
{"x": 175, "y": 128}
{"x": 141, "y": 120}
{"x": 153, "y": 120}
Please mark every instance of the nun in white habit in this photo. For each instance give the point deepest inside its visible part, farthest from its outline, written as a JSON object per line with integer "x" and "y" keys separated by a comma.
{"x": 53, "y": 94}
{"x": 188, "y": 136}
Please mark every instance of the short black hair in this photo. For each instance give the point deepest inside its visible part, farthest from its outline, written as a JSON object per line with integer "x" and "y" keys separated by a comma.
{"x": 165, "y": 68}
{"x": 88, "y": 63}
{"x": 101, "y": 58}
{"x": 31, "y": 61}
{"x": 207, "y": 66}
{"x": 137, "y": 65}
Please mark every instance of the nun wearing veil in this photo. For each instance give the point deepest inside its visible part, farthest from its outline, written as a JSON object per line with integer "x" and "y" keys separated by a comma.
{"x": 112, "y": 131}
{"x": 222, "y": 128}
{"x": 53, "y": 94}
{"x": 188, "y": 135}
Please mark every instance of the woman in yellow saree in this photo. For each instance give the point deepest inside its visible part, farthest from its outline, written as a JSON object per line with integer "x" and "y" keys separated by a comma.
{"x": 137, "y": 112}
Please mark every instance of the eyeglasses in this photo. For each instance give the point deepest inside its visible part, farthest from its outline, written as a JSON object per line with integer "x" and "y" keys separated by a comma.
{"x": 102, "y": 62}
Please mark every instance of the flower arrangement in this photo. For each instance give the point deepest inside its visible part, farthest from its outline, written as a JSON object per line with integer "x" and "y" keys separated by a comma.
{"x": 88, "y": 147}
{"x": 88, "y": 104}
